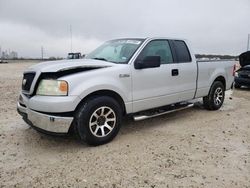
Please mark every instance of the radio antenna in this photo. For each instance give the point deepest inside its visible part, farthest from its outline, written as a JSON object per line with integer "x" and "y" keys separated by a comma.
{"x": 248, "y": 38}
{"x": 70, "y": 38}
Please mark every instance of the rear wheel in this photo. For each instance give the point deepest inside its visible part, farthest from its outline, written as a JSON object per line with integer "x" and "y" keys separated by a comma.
{"x": 98, "y": 120}
{"x": 216, "y": 96}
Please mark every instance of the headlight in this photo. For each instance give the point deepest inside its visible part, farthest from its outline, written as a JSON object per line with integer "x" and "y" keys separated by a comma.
{"x": 52, "y": 87}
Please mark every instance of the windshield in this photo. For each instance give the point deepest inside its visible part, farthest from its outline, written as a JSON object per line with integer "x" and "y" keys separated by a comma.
{"x": 116, "y": 51}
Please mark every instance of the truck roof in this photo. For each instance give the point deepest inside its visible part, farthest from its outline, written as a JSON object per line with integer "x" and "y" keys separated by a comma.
{"x": 150, "y": 38}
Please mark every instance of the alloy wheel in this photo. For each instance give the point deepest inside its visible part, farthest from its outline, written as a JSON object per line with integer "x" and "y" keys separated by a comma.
{"x": 102, "y": 121}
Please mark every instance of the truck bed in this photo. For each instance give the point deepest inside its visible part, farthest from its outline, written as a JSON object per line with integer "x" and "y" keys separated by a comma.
{"x": 207, "y": 70}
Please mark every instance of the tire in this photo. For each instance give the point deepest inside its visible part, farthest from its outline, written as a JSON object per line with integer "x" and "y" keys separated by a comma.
{"x": 216, "y": 96}
{"x": 98, "y": 120}
{"x": 237, "y": 86}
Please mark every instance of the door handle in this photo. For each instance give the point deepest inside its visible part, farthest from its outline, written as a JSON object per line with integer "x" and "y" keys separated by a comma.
{"x": 175, "y": 72}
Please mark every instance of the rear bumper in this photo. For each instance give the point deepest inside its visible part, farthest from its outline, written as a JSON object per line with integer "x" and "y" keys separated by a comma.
{"x": 44, "y": 122}
{"x": 242, "y": 81}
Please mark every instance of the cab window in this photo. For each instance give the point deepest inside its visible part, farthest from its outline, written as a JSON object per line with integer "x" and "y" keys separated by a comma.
{"x": 158, "y": 48}
{"x": 182, "y": 51}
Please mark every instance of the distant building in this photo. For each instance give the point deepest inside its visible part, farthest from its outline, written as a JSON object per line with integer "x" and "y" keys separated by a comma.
{"x": 8, "y": 55}
{"x": 4, "y": 55}
{"x": 13, "y": 55}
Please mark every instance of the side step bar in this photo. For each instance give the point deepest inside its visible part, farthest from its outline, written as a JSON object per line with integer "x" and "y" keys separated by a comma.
{"x": 142, "y": 117}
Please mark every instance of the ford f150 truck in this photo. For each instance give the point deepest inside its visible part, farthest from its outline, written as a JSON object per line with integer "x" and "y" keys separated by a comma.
{"x": 140, "y": 77}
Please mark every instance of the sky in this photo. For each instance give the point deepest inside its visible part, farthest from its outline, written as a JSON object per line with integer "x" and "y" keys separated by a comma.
{"x": 211, "y": 26}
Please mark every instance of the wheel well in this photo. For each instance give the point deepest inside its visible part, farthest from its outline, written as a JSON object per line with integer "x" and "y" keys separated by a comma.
{"x": 222, "y": 80}
{"x": 109, "y": 93}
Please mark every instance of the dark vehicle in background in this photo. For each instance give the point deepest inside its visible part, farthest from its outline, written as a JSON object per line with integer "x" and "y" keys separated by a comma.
{"x": 77, "y": 55}
{"x": 242, "y": 76}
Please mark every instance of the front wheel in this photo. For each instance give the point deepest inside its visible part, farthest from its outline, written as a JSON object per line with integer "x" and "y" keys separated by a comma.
{"x": 98, "y": 120}
{"x": 216, "y": 96}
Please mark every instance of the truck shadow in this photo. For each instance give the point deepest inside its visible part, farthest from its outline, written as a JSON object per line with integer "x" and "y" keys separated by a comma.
{"x": 69, "y": 142}
{"x": 37, "y": 139}
{"x": 130, "y": 126}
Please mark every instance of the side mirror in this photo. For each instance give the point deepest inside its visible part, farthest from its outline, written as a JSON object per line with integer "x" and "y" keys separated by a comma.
{"x": 148, "y": 62}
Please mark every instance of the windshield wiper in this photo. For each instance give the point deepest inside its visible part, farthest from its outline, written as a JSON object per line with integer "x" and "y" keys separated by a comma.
{"x": 100, "y": 58}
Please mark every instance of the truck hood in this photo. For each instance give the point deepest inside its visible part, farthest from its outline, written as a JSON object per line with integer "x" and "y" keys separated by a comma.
{"x": 244, "y": 59}
{"x": 63, "y": 65}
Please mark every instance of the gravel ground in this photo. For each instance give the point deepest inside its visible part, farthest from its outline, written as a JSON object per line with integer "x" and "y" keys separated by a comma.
{"x": 190, "y": 148}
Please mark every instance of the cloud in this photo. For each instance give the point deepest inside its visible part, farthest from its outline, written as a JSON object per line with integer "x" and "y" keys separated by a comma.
{"x": 211, "y": 26}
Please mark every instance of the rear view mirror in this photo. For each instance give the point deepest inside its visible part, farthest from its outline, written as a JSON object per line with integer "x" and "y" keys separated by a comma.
{"x": 148, "y": 62}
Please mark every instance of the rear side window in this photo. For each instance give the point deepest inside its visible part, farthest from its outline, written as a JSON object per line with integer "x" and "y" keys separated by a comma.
{"x": 182, "y": 52}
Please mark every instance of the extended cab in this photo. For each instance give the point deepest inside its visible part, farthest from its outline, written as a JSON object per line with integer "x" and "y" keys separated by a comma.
{"x": 140, "y": 77}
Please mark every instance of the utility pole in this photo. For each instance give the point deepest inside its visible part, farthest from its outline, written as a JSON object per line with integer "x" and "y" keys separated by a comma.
{"x": 248, "y": 42}
{"x": 70, "y": 28}
{"x": 42, "y": 51}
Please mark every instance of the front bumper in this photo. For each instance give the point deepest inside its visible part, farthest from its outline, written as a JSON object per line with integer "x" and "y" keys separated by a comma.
{"x": 44, "y": 122}
{"x": 242, "y": 81}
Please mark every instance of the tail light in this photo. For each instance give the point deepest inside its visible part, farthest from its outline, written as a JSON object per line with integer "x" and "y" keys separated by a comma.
{"x": 234, "y": 70}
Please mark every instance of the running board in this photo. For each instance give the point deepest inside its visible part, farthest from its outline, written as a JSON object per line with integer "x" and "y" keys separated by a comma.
{"x": 142, "y": 117}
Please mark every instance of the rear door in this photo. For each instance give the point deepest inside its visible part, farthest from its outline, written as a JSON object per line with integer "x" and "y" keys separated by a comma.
{"x": 187, "y": 70}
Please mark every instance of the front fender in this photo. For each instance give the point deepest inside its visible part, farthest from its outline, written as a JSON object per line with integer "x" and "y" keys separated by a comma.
{"x": 84, "y": 83}
{"x": 94, "y": 85}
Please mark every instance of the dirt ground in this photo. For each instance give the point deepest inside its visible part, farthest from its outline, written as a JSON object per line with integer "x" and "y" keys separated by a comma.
{"x": 190, "y": 148}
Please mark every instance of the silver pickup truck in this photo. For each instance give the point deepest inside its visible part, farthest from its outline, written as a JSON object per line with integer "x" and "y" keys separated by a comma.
{"x": 140, "y": 77}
